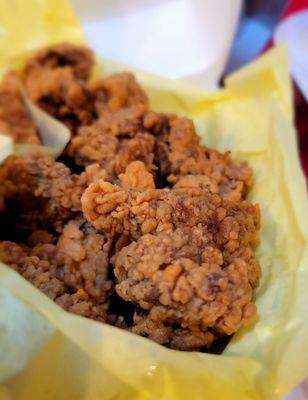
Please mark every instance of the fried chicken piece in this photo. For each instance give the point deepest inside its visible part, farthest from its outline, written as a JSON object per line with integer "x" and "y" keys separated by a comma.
{"x": 96, "y": 143}
{"x": 138, "y": 148}
{"x": 40, "y": 192}
{"x": 136, "y": 212}
{"x": 14, "y": 120}
{"x": 190, "y": 264}
{"x": 183, "y": 261}
{"x": 119, "y": 90}
{"x": 180, "y": 156}
{"x": 60, "y": 94}
{"x": 93, "y": 144}
{"x": 84, "y": 256}
{"x": 187, "y": 157}
{"x": 72, "y": 270}
{"x": 181, "y": 281}
{"x": 120, "y": 104}
{"x": 55, "y": 80}
{"x": 79, "y": 58}
{"x": 118, "y": 137}
{"x": 165, "y": 334}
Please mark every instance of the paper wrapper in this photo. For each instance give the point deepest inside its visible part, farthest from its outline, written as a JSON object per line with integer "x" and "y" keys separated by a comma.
{"x": 19, "y": 40}
{"x": 54, "y": 135}
{"x": 47, "y": 353}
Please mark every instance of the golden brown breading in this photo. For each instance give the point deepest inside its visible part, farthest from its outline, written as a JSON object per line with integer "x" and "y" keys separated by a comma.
{"x": 137, "y": 212}
{"x": 14, "y": 120}
{"x": 156, "y": 237}
{"x": 180, "y": 156}
{"x": 118, "y": 136}
{"x": 72, "y": 270}
{"x": 120, "y": 104}
{"x": 190, "y": 265}
{"x": 95, "y": 143}
{"x": 79, "y": 58}
{"x": 137, "y": 176}
{"x": 138, "y": 148}
{"x": 181, "y": 278}
{"x": 119, "y": 90}
{"x": 55, "y": 78}
{"x": 61, "y": 94}
{"x": 177, "y": 338}
{"x": 41, "y": 191}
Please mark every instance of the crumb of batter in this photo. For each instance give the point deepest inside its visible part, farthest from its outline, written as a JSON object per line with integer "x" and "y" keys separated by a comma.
{"x": 137, "y": 176}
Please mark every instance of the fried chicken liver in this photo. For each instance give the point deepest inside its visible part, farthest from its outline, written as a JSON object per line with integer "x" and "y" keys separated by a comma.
{"x": 72, "y": 270}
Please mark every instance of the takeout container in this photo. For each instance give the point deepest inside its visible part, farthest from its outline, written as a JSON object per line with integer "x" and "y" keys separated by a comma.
{"x": 47, "y": 353}
{"x": 186, "y": 39}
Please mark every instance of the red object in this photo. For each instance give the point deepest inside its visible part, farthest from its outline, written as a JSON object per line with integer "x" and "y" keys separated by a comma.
{"x": 300, "y": 104}
{"x": 301, "y": 119}
{"x": 295, "y": 6}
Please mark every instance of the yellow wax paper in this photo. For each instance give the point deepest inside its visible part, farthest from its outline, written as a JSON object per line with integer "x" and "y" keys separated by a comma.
{"x": 46, "y": 353}
{"x": 18, "y": 40}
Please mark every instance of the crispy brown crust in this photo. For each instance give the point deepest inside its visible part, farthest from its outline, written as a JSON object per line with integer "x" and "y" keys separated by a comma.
{"x": 169, "y": 277}
{"x": 94, "y": 144}
{"x": 72, "y": 270}
{"x": 79, "y": 58}
{"x": 149, "y": 230}
{"x": 190, "y": 262}
{"x": 55, "y": 79}
{"x": 42, "y": 191}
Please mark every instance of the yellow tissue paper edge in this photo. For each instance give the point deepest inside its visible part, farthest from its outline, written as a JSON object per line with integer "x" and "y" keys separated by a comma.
{"x": 47, "y": 353}
{"x": 54, "y": 135}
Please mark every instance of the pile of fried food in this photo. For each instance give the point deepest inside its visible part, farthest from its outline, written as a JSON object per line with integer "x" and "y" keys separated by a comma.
{"x": 136, "y": 224}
